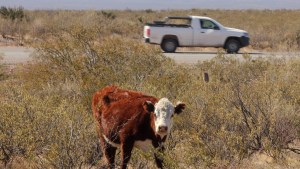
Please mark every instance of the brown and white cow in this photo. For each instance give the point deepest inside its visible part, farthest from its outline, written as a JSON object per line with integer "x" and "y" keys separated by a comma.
{"x": 128, "y": 119}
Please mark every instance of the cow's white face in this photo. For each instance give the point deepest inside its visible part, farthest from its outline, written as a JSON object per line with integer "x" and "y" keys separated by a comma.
{"x": 163, "y": 112}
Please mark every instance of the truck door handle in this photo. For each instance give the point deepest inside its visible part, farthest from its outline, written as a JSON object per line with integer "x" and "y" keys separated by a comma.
{"x": 202, "y": 32}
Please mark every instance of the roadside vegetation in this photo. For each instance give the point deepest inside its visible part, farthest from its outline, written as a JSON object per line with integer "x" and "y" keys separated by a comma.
{"x": 270, "y": 30}
{"x": 244, "y": 109}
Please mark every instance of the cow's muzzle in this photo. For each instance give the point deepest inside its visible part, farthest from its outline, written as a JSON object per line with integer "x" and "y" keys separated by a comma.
{"x": 162, "y": 129}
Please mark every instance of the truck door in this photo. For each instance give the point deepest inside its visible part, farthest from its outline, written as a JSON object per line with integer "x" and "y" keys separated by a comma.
{"x": 208, "y": 34}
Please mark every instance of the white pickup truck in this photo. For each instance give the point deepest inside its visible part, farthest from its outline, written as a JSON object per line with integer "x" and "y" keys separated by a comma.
{"x": 194, "y": 31}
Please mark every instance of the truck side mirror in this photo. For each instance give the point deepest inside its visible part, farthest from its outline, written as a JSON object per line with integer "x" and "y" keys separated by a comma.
{"x": 216, "y": 28}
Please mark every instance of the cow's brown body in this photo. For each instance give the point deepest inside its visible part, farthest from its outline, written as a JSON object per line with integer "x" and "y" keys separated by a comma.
{"x": 110, "y": 94}
{"x": 125, "y": 118}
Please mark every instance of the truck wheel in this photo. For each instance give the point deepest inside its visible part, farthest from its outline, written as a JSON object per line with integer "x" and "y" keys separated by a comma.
{"x": 169, "y": 45}
{"x": 232, "y": 46}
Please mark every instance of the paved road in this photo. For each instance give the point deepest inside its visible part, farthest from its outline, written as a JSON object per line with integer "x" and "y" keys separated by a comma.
{"x": 194, "y": 57}
{"x": 14, "y": 55}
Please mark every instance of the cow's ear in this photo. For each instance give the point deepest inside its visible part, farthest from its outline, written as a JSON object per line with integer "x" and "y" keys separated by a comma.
{"x": 179, "y": 107}
{"x": 106, "y": 100}
{"x": 148, "y": 106}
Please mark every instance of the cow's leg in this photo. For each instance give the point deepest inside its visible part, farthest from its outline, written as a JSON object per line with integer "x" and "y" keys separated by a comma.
{"x": 109, "y": 152}
{"x": 158, "y": 160}
{"x": 126, "y": 149}
{"x": 110, "y": 155}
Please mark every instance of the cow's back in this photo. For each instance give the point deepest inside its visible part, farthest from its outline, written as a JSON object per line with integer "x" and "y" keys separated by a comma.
{"x": 110, "y": 94}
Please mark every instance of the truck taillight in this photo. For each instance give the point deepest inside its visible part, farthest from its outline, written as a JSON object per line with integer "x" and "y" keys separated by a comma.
{"x": 148, "y": 32}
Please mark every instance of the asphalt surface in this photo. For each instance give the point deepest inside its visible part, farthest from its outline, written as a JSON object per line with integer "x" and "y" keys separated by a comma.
{"x": 15, "y": 55}
{"x": 194, "y": 57}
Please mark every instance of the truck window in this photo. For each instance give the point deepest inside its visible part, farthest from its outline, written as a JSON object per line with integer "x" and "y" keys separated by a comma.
{"x": 207, "y": 24}
{"x": 179, "y": 21}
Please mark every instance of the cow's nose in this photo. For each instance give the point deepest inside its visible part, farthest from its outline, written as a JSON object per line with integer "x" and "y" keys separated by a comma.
{"x": 163, "y": 129}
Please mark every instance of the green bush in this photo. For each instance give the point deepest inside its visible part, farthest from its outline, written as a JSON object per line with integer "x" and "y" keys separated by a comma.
{"x": 12, "y": 13}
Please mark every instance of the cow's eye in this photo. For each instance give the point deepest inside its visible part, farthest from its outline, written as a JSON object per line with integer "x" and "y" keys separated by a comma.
{"x": 172, "y": 115}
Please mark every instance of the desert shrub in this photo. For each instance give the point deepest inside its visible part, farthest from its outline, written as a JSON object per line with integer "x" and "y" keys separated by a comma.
{"x": 12, "y": 13}
{"x": 49, "y": 130}
{"x": 84, "y": 59}
{"x": 2, "y": 72}
{"x": 12, "y": 21}
{"x": 108, "y": 14}
{"x": 242, "y": 110}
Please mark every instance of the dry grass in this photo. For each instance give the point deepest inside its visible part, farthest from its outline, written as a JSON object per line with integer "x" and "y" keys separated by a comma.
{"x": 263, "y": 161}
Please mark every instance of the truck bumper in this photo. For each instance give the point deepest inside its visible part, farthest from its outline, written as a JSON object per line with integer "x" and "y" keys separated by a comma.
{"x": 245, "y": 41}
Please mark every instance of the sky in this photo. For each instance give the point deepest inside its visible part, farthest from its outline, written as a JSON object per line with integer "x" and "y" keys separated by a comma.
{"x": 152, "y": 4}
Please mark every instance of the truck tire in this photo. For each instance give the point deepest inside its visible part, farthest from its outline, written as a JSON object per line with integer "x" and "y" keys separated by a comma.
{"x": 232, "y": 46}
{"x": 169, "y": 45}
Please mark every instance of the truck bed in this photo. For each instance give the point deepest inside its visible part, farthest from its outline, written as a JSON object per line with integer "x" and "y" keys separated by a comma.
{"x": 168, "y": 25}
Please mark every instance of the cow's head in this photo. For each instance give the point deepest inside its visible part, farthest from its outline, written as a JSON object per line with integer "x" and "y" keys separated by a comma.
{"x": 163, "y": 113}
